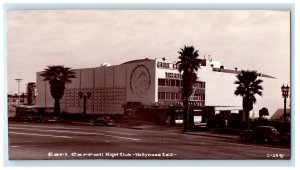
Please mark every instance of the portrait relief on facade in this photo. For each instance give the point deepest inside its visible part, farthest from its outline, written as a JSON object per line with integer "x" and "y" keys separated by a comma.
{"x": 140, "y": 80}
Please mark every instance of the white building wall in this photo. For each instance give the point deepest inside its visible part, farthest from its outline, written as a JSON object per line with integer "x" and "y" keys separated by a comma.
{"x": 44, "y": 98}
{"x": 75, "y": 81}
{"x": 99, "y": 91}
{"x": 109, "y": 76}
{"x": 40, "y": 86}
{"x": 160, "y": 73}
{"x": 140, "y": 86}
{"x": 219, "y": 87}
{"x": 120, "y": 75}
{"x": 107, "y": 88}
{"x": 87, "y": 78}
{"x": 136, "y": 81}
{"x": 70, "y": 100}
{"x": 119, "y": 93}
{"x": 87, "y": 86}
{"x": 99, "y": 77}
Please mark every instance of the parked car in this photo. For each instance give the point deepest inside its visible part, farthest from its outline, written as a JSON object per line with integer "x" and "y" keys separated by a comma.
{"x": 260, "y": 134}
{"x": 26, "y": 113}
{"x": 51, "y": 118}
{"x": 286, "y": 138}
{"x": 29, "y": 116}
{"x": 103, "y": 120}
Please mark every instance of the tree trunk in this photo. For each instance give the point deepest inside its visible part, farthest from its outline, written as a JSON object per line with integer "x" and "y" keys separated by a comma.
{"x": 56, "y": 106}
{"x": 247, "y": 107}
{"x": 185, "y": 122}
{"x": 84, "y": 106}
{"x": 247, "y": 120}
{"x": 186, "y": 115}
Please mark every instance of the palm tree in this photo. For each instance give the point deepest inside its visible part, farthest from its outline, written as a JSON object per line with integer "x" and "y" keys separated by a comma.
{"x": 57, "y": 76}
{"x": 248, "y": 86}
{"x": 188, "y": 64}
{"x": 30, "y": 92}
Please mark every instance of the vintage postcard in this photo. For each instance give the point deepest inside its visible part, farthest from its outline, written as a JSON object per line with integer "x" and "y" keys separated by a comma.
{"x": 149, "y": 84}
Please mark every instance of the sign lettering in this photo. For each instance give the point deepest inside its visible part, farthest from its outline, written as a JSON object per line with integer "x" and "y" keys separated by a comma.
{"x": 173, "y": 75}
{"x": 164, "y": 65}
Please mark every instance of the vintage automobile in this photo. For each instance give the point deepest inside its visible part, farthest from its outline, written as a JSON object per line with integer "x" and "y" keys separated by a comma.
{"x": 29, "y": 116}
{"x": 51, "y": 118}
{"x": 260, "y": 134}
{"x": 285, "y": 138}
{"x": 103, "y": 120}
{"x": 25, "y": 113}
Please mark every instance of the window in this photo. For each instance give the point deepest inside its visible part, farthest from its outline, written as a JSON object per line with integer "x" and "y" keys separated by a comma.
{"x": 173, "y": 83}
{"x": 177, "y": 96}
{"x": 202, "y": 85}
{"x": 173, "y": 96}
{"x": 168, "y": 96}
{"x": 161, "y": 95}
{"x": 167, "y": 82}
{"x": 177, "y": 83}
{"x": 161, "y": 82}
{"x": 197, "y": 92}
{"x": 202, "y": 97}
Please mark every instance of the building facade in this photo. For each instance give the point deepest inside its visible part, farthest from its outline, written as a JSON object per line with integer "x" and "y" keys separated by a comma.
{"x": 14, "y": 101}
{"x": 144, "y": 83}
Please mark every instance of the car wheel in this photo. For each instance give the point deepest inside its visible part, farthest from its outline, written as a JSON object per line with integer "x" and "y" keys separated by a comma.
{"x": 272, "y": 140}
{"x": 266, "y": 140}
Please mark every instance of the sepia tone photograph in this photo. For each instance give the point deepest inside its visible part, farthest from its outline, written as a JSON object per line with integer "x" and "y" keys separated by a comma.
{"x": 149, "y": 84}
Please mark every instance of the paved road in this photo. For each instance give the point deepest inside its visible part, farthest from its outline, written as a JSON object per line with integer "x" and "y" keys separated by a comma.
{"x": 66, "y": 141}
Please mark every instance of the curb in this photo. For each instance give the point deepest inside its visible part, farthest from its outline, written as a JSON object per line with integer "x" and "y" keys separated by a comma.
{"x": 211, "y": 135}
{"x": 187, "y": 133}
{"x": 77, "y": 123}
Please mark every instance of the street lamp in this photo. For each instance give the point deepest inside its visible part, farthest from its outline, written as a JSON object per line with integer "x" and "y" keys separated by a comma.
{"x": 285, "y": 94}
{"x": 18, "y": 81}
{"x": 84, "y": 96}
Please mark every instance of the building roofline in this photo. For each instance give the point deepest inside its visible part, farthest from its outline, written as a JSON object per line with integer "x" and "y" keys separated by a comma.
{"x": 138, "y": 60}
{"x": 224, "y": 70}
{"x": 237, "y": 72}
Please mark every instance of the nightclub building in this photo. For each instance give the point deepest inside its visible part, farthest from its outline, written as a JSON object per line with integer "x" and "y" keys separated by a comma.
{"x": 148, "y": 88}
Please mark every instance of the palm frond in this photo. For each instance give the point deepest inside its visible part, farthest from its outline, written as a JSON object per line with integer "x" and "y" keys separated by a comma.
{"x": 248, "y": 87}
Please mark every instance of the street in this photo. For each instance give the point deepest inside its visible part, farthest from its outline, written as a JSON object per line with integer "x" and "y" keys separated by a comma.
{"x": 56, "y": 141}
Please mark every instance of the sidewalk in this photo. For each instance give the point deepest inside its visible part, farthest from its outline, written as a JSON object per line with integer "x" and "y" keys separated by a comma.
{"x": 210, "y": 134}
{"x": 179, "y": 130}
{"x": 170, "y": 129}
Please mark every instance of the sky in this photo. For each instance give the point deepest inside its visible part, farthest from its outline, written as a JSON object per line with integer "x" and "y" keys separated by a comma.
{"x": 246, "y": 39}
